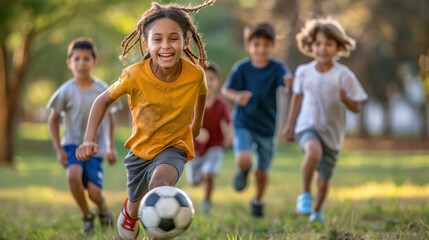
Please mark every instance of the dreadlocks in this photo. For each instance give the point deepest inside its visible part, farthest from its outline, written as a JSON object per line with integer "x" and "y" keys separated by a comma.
{"x": 177, "y": 13}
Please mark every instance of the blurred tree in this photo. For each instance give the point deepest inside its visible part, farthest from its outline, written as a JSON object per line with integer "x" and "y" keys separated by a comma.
{"x": 34, "y": 36}
{"x": 21, "y": 23}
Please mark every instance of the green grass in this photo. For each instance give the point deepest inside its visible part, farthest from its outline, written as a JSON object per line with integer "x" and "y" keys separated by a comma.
{"x": 374, "y": 195}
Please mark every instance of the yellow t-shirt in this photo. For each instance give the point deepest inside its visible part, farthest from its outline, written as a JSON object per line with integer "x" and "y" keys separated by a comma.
{"x": 162, "y": 111}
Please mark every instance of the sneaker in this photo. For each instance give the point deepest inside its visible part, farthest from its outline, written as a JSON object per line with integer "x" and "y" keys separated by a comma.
{"x": 88, "y": 224}
{"x": 240, "y": 180}
{"x": 304, "y": 203}
{"x": 106, "y": 220}
{"x": 128, "y": 227}
{"x": 317, "y": 217}
{"x": 205, "y": 207}
{"x": 257, "y": 209}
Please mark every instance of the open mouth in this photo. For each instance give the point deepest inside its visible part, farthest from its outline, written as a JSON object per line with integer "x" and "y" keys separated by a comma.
{"x": 166, "y": 56}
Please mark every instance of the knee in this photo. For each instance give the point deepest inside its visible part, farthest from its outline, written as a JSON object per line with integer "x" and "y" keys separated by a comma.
{"x": 208, "y": 177}
{"x": 74, "y": 176}
{"x": 95, "y": 196}
{"x": 322, "y": 183}
{"x": 158, "y": 182}
{"x": 261, "y": 175}
{"x": 244, "y": 159}
{"x": 164, "y": 175}
{"x": 313, "y": 151}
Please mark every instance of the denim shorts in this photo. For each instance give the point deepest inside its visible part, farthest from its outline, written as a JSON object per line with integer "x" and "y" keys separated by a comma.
{"x": 139, "y": 171}
{"x": 263, "y": 147}
{"x": 326, "y": 165}
{"x": 92, "y": 169}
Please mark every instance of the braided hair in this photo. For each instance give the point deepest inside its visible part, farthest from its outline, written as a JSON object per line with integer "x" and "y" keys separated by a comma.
{"x": 177, "y": 13}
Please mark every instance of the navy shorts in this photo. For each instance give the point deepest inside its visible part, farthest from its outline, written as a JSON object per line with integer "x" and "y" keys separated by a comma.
{"x": 326, "y": 165}
{"x": 92, "y": 170}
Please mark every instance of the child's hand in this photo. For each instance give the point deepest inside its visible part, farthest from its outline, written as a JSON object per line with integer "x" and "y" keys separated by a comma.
{"x": 86, "y": 150}
{"x": 203, "y": 137}
{"x": 62, "y": 157}
{"x": 111, "y": 156}
{"x": 243, "y": 97}
{"x": 288, "y": 133}
{"x": 288, "y": 79}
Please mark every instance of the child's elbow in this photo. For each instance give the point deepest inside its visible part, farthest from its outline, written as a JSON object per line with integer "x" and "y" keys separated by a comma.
{"x": 357, "y": 108}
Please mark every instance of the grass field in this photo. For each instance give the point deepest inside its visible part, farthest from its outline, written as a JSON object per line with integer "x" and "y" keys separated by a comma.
{"x": 374, "y": 195}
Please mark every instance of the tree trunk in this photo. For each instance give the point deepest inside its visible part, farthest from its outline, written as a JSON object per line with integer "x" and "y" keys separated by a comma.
{"x": 3, "y": 107}
{"x": 10, "y": 89}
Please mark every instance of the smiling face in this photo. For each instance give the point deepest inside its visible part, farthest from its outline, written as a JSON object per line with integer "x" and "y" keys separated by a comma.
{"x": 260, "y": 49}
{"x": 81, "y": 62}
{"x": 324, "y": 49}
{"x": 165, "y": 42}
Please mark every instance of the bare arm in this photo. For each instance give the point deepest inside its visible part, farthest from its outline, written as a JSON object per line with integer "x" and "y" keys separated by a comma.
{"x": 89, "y": 148}
{"x": 111, "y": 142}
{"x": 350, "y": 104}
{"x": 288, "y": 130}
{"x": 111, "y": 155}
{"x": 197, "y": 122}
{"x": 227, "y": 132}
{"x": 288, "y": 81}
{"x": 239, "y": 97}
{"x": 54, "y": 129}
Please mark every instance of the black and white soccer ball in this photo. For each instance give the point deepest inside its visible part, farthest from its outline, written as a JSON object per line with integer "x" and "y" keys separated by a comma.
{"x": 166, "y": 212}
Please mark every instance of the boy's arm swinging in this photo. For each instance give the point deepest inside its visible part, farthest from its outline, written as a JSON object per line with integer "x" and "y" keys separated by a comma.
{"x": 239, "y": 97}
{"x": 288, "y": 130}
{"x": 54, "y": 128}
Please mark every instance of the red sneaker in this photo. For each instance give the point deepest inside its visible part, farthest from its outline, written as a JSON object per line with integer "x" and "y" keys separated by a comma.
{"x": 128, "y": 227}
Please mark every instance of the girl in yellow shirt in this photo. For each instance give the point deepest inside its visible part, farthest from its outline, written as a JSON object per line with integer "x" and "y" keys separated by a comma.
{"x": 166, "y": 95}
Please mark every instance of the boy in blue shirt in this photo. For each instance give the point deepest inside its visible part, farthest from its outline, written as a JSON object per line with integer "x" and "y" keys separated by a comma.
{"x": 252, "y": 86}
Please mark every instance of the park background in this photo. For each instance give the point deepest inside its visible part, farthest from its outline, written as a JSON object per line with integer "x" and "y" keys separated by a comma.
{"x": 380, "y": 188}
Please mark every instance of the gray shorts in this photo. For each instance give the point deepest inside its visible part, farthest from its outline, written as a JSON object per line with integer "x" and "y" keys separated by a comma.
{"x": 210, "y": 162}
{"x": 326, "y": 165}
{"x": 139, "y": 171}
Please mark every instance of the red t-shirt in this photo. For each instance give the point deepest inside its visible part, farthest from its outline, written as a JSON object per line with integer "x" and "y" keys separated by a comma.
{"x": 213, "y": 116}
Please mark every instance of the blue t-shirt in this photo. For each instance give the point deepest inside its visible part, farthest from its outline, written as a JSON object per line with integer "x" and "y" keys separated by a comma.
{"x": 259, "y": 115}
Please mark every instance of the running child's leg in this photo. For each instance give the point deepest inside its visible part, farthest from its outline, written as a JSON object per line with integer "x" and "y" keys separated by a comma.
{"x": 194, "y": 174}
{"x": 211, "y": 163}
{"x": 265, "y": 151}
{"x": 243, "y": 153}
{"x": 312, "y": 156}
{"x": 322, "y": 192}
{"x": 74, "y": 177}
{"x": 78, "y": 181}
{"x": 75, "y": 171}
{"x": 325, "y": 170}
{"x": 95, "y": 176}
{"x": 312, "y": 148}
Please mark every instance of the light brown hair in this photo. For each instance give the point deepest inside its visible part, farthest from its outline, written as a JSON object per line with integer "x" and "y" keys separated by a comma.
{"x": 332, "y": 30}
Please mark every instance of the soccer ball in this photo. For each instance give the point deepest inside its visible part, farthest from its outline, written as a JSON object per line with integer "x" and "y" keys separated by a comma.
{"x": 166, "y": 212}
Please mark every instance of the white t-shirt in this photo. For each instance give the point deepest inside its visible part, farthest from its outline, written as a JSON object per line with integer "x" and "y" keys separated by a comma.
{"x": 322, "y": 109}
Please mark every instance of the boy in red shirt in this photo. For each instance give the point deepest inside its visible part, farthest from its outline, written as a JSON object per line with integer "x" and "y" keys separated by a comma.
{"x": 209, "y": 145}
